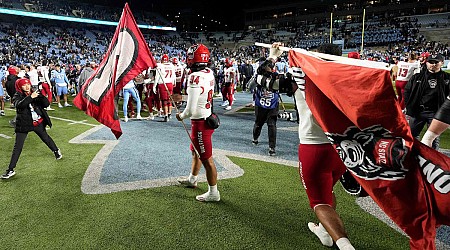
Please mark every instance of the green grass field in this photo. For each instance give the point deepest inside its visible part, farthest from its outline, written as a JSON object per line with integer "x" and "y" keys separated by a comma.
{"x": 43, "y": 206}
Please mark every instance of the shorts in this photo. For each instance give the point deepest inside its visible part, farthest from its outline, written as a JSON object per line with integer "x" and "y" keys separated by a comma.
{"x": 201, "y": 135}
{"x": 320, "y": 168}
{"x": 163, "y": 94}
{"x": 61, "y": 90}
{"x": 2, "y": 92}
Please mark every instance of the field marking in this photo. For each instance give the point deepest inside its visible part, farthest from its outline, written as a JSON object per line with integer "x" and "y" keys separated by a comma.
{"x": 5, "y": 136}
{"x": 84, "y": 122}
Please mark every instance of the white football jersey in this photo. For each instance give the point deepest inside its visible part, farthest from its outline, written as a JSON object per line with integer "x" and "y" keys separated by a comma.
{"x": 309, "y": 132}
{"x": 179, "y": 71}
{"x": 200, "y": 90}
{"x": 230, "y": 74}
{"x": 406, "y": 70}
{"x": 166, "y": 73}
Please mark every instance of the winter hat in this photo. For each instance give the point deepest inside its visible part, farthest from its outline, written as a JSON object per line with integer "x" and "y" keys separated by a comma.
{"x": 20, "y": 82}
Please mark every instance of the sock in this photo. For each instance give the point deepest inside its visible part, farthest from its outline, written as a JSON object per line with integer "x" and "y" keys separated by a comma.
{"x": 428, "y": 138}
{"x": 213, "y": 189}
{"x": 321, "y": 233}
{"x": 192, "y": 178}
{"x": 344, "y": 244}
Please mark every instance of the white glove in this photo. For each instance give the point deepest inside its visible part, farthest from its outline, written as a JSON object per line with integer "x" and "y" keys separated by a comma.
{"x": 275, "y": 51}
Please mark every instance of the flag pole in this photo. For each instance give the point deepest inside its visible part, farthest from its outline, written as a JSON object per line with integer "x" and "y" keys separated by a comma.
{"x": 177, "y": 110}
{"x": 331, "y": 27}
{"x": 362, "y": 34}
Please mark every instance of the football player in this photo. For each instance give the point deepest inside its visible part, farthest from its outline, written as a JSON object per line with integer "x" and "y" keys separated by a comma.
{"x": 200, "y": 89}
{"x": 165, "y": 78}
{"x": 229, "y": 82}
{"x": 404, "y": 72}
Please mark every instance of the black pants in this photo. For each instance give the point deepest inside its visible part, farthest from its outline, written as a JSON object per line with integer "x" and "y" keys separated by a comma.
{"x": 270, "y": 117}
{"x": 417, "y": 123}
{"x": 20, "y": 139}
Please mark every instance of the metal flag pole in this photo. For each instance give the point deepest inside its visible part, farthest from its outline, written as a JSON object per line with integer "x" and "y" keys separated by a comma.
{"x": 177, "y": 110}
{"x": 362, "y": 34}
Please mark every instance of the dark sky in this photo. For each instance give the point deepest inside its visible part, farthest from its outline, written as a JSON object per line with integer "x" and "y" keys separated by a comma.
{"x": 230, "y": 12}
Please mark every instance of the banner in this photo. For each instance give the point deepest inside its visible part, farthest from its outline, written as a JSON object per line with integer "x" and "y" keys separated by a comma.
{"x": 128, "y": 55}
{"x": 357, "y": 108}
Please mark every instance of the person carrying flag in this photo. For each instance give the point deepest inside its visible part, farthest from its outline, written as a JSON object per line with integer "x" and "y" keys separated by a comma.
{"x": 200, "y": 89}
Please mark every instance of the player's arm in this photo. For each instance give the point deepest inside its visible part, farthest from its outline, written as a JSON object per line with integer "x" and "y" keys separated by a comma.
{"x": 193, "y": 92}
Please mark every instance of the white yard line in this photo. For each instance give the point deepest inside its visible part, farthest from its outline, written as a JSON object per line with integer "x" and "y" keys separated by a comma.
{"x": 5, "y": 136}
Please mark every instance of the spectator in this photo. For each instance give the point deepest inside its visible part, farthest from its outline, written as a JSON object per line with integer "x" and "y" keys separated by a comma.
{"x": 425, "y": 93}
{"x": 31, "y": 116}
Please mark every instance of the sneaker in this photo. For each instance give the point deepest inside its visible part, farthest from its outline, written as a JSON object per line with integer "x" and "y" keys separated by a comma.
{"x": 224, "y": 103}
{"x": 58, "y": 154}
{"x": 2, "y": 112}
{"x": 206, "y": 197}
{"x": 187, "y": 183}
{"x": 125, "y": 119}
{"x": 139, "y": 117}
{"x": 272, "y": 151}
{"x": 67, "y": 105}
{"x": 255, "y": 142}
{"x": 151, "y": 117}
{"x": 166, "y": 118}
{"x": 228, "y": 108}
{"x": 321, "y": 233}
{"x": 59, "y": 105}
{"x": 74, "y": 94}
{"x": 8, "y": 174}
{"x": 49, "y": 108}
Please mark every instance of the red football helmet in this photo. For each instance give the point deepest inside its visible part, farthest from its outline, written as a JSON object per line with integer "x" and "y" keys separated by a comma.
{"x": 228, "y": 63}
{"x": 165, "y": 58}
{"x": 175, "y": 61}
{"x": 197, "y": 53}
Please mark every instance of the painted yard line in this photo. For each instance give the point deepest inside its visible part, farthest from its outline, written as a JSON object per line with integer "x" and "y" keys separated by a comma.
{"x": 5, "y": 136}
{"x": 74, "y": 122}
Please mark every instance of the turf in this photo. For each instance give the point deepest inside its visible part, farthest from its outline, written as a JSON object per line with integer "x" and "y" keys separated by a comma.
{"x": 43, "y": 206}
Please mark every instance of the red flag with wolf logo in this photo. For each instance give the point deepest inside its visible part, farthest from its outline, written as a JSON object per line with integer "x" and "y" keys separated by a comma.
{"x": 127, "y": 56}
{"x": 357, "y": 108}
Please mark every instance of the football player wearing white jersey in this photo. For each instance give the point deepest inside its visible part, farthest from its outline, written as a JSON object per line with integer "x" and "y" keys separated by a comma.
{"x": 319, "y": 165}
{"x": 405, "y": 70}
{"x": 200, "y": 89}
{"x": 179, "y": 75}
{"x": 165, "y": 78}
{"x": 44, "y": 84}
{"x": 229, "y": 81}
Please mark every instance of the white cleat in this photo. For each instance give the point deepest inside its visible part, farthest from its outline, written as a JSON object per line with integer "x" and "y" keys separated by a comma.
{"x": 321, "y": 233}
{"x": 207, "y": 197}
{"x": 228, "y": 108}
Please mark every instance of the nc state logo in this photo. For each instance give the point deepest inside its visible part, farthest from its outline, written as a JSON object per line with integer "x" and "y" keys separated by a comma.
{"x": 371, "y": 153}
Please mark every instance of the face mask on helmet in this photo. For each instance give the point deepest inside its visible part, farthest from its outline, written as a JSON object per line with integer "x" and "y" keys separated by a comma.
{"x": 175, "y": 60}
{"x": 165, "y": 58}
{"x": 197, "y": 54}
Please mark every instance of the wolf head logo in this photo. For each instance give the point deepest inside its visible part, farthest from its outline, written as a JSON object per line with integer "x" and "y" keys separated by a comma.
{"x": 371, "y": 153}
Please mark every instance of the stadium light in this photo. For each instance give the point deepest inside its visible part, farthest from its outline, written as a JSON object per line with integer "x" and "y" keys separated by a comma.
{"x": 77, "y": 19}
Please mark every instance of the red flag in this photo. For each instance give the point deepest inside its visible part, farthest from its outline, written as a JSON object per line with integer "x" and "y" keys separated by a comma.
{"x": 357, "y": 108}
{"x": 127, "y": 56}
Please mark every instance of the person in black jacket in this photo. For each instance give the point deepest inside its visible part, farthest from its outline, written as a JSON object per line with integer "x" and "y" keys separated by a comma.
{"x": 31, "y": 116}
{"x": 425, "y": 93}
{"x": 10, "y": 82}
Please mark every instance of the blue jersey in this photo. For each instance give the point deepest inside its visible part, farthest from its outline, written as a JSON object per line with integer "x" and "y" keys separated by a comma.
{"x": 266, "y": 99}
{"x": 59, "y": 77}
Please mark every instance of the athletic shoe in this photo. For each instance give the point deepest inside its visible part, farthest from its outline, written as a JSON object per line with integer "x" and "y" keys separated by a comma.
{"x": 151, "y": 117}
{"x": 49, "y": 108}
{"x": 8, "y": 174}
{"x": 224, "y": 103}
{"x": 272, "y": 151}
{"x": 187, "y": 183}
{"x": 2, "y": 112}
{"x": 58, "y": 154}
{"x": 166, "y": 118}
{"x": 206, "y": 197}
{"x": 255, "y": 142}
{"x": 139, "y": 117}
{"x": 125, "y": 119}
{"x": 321, "y": 233}
{"x": 67, "y": 105}
{"x": 59, "y": 105}
{"x": 228, "y": 108}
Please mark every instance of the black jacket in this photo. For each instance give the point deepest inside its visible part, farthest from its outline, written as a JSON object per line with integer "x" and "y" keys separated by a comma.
{"x": 414, "y": 90}
{"x": 24, "y": 121}
{"x": 10, "y": 84}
